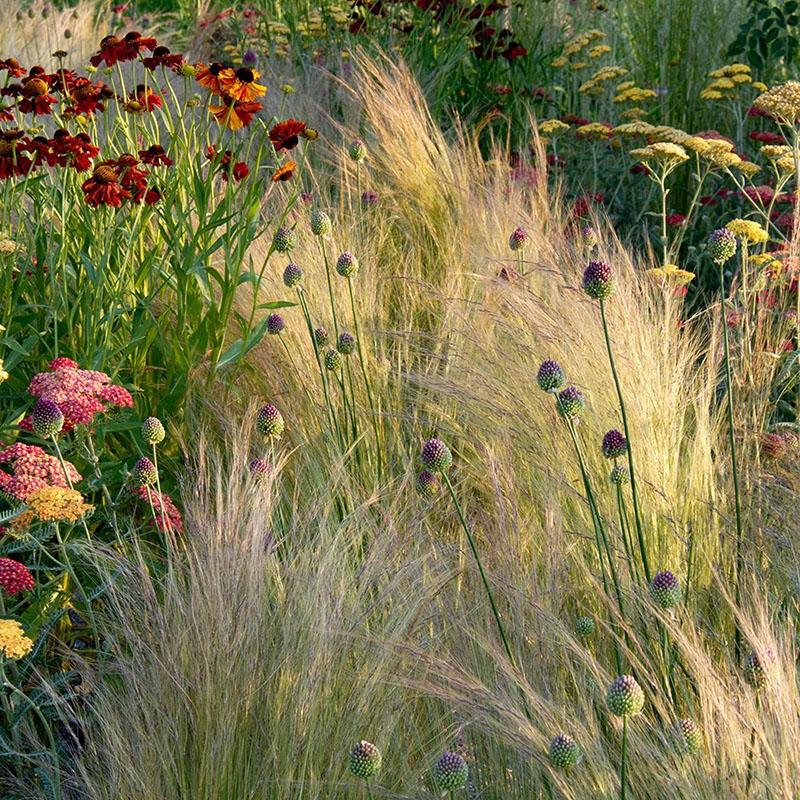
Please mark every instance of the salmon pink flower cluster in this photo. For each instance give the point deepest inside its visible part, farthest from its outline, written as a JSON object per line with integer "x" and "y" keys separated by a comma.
{"x": 167, "y": 517}
{"x": 79, "y": 393}
{"x": 31, "y": 469}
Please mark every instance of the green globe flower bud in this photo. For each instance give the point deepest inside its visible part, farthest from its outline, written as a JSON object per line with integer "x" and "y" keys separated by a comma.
{"x": 564, "y": 751}
{"x": 625, "y": 697}
{"x": 365, "y": 760}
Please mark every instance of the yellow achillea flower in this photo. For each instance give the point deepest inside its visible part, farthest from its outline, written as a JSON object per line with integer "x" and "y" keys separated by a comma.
{"x": 767, "y": 261}
{"x": 747, "y": 168}
{"x": 638, "y": 128}
{"x": 782, "y": 101}
{"x": 552, "y": 127}
{"x": 722, "y": 83}
{"x": 634, "y": 94}
{"x": 667, "y": 153}
{"x": 747, "y": 230}
{"x": 672, "y": 274}
{"x": 559, "y": 62}
{"x": 634, "y": 113}
{"x": 775, "y": 151}
{"x": 760, "y": 87}
{"x": 594, "y": 131}
{"x": 741, "y": 77}
{"x": 722, "y": 158}
{"x": 13, "y": 641}
{"x": 579, "y": 65}
{"x": 599, "y": 50}
{"x": 697, "y": 144}
{"x": 57, "y": 504}
{"x": 711, "y": 94}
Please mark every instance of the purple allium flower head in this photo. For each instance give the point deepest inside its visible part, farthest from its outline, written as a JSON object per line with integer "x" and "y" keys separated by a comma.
{"x": 333, "y": 360}
{"x": 518, "y": 238}
{"x": 665, "y": 589}
{"x": 428, "y": 483}
{"x": 436, "y": 456}
{"x": 625, "y": 697}
{"x": 551, "y": 377}
{"x": 153, "y": 431}
{"x": 570, "y": 402}
{"x": 451, "y": 772}
{"x": 250, "y": 59}
{"x": 357, "y": 150}
{"x": 346, "y": 343}
{"x": 614, "y": 444}
{"x": 306, "y": 198}
{"x": 585, "y": 627}
{"x": 754, "y": 672}
{"x": 589, "y": 237}
{"x": 144, "y": 472}
{"x": 260, "y": 468}
{"x": 320, "y": 336}
{"x": 721, "y": 245}
{"x": 321, "y": 224}
{"x": 365, "y": 759}
{"x": 284, "y": 240}
{"x": 269, "y": 421}
{"x": 564, "y": 751}
{"x": 275, "y": 324}
{"x": 292, "y": 276}
{"x": 46, "y": 418}
{"x": 347, "y": 265}
{"x": 619, "y": 474}
{"x": 687, "y": 737}
{"x": 368, "y": 198}
{"x": 598, "y": 280}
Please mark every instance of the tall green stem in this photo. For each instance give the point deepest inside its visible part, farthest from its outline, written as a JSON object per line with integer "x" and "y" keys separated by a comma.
{"x": 485, "y": 580}
{"x": 734, "y": 460}
{"x": 634, "y": 493}
{"x": 623, "y": 774}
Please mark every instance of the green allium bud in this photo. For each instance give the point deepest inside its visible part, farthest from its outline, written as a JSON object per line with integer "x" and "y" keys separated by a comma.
{"x": 347, "y": 265}
{"x": 333, "y": 360}
{"x": 144, "y": 472}
{"x": 451, "y": 772}
{"x": 357, "y": 150}
{"x": 284, "y": 240}
{"x": 721, "y": 245}
{"x": 570, "y": 402}
{"x": 564, "y": 751}
{"x": 686, "y": 737}
{"x": 754, "y": 672}
{"x": 269, "y": 421}
{"x": 321, "y": 224}
{"x": 346, "y": 343}
{"x": 585, "y": 627}
{"x": 365, "y": 760}
{"x": 428, "y": 483}
{"x": 619, "y": 475}
{"x": 321, "y": 336}
{"x": 153, "y": 431}
{"x": 598, "y": 280}
{"x": 625, "y": 697}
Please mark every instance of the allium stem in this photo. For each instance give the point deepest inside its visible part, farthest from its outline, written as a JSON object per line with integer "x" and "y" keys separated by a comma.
{"x": 623, "y": 772}
{"x": 626, "y": 534}
{"x": 734, "y": 462}
{"x": 751, "y": 751}
{"x": 69, "y": 482}
{"x": 164, "y": 517}
{"x": 330, "y": 284}
{"x": 485, "y": 580}
{"x": 634, "y": 493}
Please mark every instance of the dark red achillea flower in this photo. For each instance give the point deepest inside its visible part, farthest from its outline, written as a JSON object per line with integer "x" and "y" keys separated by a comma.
{"x": 73, "y": 151}
{"x": 12, "y": 66}
{"x": 35, "y": 93}
{"x": 208, "y": 76}
{"x": 113, "y": 49}
{"x": 235, "y": 114}
{"x": 142, "y": 99}
{"x": 87, "y": 97}
{"x": 285, "y": 135}
{"x": 155, "y": 156}
{"x": 13, "y": 161}
{"x": 152, "y": 196}
{"x": 240, "y": 171}
{"x": 14, "y": 577}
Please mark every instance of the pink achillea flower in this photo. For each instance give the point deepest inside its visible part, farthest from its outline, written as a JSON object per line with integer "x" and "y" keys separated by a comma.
{"x": 171, "y": 518}
{"x": 31, "y": 469}
{"x": 79, "y": 393}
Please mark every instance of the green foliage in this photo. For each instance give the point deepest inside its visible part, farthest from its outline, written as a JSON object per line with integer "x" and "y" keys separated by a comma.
{"x": 769, "y": 37}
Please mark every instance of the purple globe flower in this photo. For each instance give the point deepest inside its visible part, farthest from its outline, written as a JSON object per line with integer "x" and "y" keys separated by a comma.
{"x": 144, "y": 472}
{"x": 250, "y": 59}
{"x": 275, "y": 324}
{"x": 46, "y": 418}
{"x": 347, "y": 265}
{"x": 368, "y": 198}
{"x": 614, "y": 444}
{"x": 292, "y": 276}
{"x": 260, "y": 468}
{"x": 346, "y": 343}
{"x": 665, "y": 589}
{"x": 436, "y": 456}
{"x": 428, "y": 483}
{"x": 451, "y": 772}
{"x": 570, "y": 402}
{"x": 518, "y": 239}
{"x": 754, "y": 672}
{"x": 153, "y": 431}
{"x": 721, "y": 245}
{"x": 589, "y": 237}
{"x": 564, "y": 751}
{"x": 598, "y": 280}
{"x": 320, "y": 336}
{"x": 551, "y": 377}
{"x": 269, "y": 421}
{"x": 625, "y": 697}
